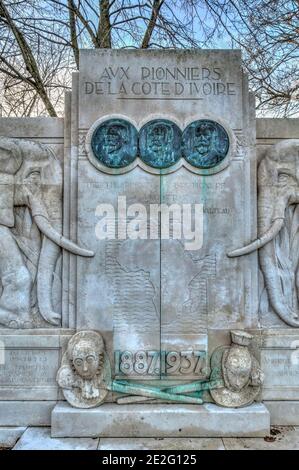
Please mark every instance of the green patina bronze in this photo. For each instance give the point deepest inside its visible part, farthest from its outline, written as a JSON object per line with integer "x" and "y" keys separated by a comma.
{"x": 191, "y": 393}
{"x": 114, "y": 143}
{"x": 196, "y": 386}
{"x": 160, "y": 143}
{"x": 186, "y": 393}
{"x": 205, "y": 143}
{"x": 151, "y": 392}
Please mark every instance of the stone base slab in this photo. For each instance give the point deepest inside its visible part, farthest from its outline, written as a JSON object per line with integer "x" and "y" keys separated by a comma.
{"x": 161, "y": 443}
{"x": 40, "y": 439}
{"x": 283, "y": 413}
{"x": 26, "y": 413}
{"x": 9, "y": 436}
{"x": 112, "y": 420}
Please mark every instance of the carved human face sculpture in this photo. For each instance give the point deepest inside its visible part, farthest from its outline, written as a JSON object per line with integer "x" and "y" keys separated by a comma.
{"x": 113, "y": 139}
{"x": 86, "y": 359}
{"x": 158, "y": 138}
{"x": 237, "y": 368}
{"x": 203, "y": 140}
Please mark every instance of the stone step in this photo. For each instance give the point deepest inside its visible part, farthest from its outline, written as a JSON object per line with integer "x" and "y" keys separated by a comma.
{"x": 161, "y": 443}
{"x": 40, "y": 439}
{"x": 112, "y": 420}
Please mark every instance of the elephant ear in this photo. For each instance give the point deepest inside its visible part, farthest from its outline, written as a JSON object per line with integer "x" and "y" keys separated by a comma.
{"x": 57, "y": 286}
{"x": 294, "y": 238}
{"x": 286, "y": 246}
{"x": 6, "y": 200}
{"x": 287, "y": 252}
{"x": 27, "y": 236}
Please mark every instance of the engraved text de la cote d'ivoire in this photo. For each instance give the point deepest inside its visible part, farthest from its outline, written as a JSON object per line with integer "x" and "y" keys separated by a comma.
{"x": 160, "y": 82}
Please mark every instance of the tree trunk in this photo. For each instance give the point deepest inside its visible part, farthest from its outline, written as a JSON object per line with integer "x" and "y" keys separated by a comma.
{"x": 73, "y": 31}
{"x": 29, "y": 59}
{"x": 104, "y": 28}
{"x": 152, "y": 23}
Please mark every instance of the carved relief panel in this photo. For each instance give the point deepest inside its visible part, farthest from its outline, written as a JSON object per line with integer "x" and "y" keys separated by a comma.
{"x": 31, "y": 235}
{"x": 145, "y": 152}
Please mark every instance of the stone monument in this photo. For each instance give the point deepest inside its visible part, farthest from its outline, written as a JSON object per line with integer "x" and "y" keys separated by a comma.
{"x": 148, "y": 254}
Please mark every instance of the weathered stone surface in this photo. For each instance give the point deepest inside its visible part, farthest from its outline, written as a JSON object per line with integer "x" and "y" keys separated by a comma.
{"x": 147, "y": 305}
{"x": 9, "y": 436}
{"x": 277, "y": 221}
{"x": 161, "y": 444}
{"x": 271, "y": 130}
{"x": 110, "y": 420}
{"x": 31, "y": 234}
{"x": 144, "y": 296}
{"x": 276, "y": 128}
{"x": 135, "y": 66}
{"x": 280, "y": 438}
{"x": 35, "y": 180}
{"x": 26, "y": 413}
{"x": 29, "y": 362}
{"x": 280, "y": 363}
{"x": 83, "y": 370}
{"x": 239, "y": 370}
{"x": 40, "y": 439}
{"x": 33, "y": 128}
{"x": 283, "y": 413}
{"x": 85, "y": 375}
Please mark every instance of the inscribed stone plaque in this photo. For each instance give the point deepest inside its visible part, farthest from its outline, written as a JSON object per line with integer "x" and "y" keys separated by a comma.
{"x": 195, "y": 152}
{"x": 29, "y": 364}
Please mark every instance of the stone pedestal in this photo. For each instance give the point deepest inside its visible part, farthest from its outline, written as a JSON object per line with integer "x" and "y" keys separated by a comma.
{"x": 111, "y": 420}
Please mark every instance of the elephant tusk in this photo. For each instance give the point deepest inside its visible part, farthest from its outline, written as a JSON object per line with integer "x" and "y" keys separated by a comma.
{"x": 46, "y": 228}
{"x": 41, "y": 218}
{"x": 275, "y": 228}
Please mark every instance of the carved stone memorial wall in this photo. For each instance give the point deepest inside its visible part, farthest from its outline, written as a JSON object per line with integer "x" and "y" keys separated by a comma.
{"x": 148, "y": 252}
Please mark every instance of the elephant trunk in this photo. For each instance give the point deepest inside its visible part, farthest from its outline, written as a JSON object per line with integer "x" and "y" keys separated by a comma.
{"x": 45, "y": 225}
{"x": 48, "y": 220}
{"x": 268, "y": 236}
{"x": 269, "y": 267}
{"x": 46, "y": 267}
{"x": 269, "y": 212}
{"x": 48, "y": 255}
{"x": 270, "y": 223}
{"x": 46, "y": 228}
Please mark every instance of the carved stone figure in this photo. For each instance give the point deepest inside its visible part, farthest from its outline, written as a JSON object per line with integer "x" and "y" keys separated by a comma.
{"x": 278, "y": 220}
{"x": 30, "y": 231}
{"x": 239, "y": 370}
{"x": 85, "y": 376}
{"x": 83, "y": 372}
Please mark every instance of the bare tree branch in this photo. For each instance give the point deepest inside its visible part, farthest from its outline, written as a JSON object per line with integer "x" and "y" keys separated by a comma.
{"x": 28, "y": 58}
{"x": 40, "y": 43}
{"x": 73, "y": 31}
{"x": 157, "y": 4}
{"x": 104, "y": 27}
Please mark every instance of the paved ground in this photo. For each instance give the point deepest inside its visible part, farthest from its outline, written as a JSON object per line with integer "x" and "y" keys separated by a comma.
{"x": 281, "y": 438}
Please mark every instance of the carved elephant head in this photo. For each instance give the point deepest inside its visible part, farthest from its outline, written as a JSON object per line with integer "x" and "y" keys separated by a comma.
{"x": 278, "y": 196}
{"x": 31, "y": 176}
